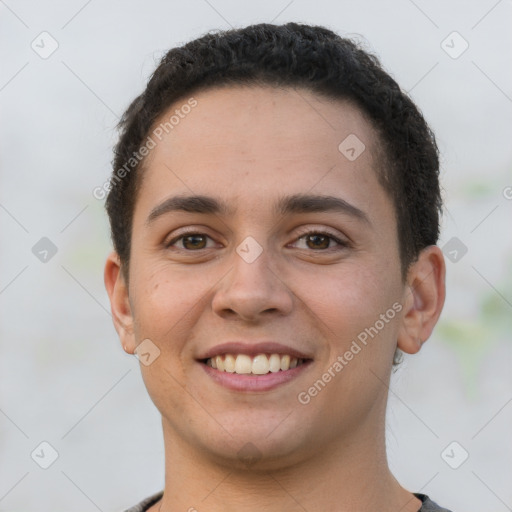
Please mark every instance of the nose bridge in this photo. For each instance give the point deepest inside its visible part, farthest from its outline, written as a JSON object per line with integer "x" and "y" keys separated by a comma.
{"x": 253, "y": 233}
{"x": 252, "y": 265}
{"x": 253, "y": 285}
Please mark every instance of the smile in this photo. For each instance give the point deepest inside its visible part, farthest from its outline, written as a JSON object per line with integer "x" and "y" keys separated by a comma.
{"x": 261, "y": 364}
{"x": 259, "y": 373}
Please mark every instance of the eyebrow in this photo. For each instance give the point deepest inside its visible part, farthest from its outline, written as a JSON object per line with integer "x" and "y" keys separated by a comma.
{"x": 285, "y": 205}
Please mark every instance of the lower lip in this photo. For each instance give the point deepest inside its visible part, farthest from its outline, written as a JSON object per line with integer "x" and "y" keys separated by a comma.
{"x": 247, "y": 383}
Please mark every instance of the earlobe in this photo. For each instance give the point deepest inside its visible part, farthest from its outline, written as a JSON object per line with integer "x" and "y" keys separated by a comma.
{"x": 119, "y": 302}
{"x": 423, "y": 300}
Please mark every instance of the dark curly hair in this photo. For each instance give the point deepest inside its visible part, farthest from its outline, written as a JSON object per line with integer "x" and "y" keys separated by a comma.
{"x": 290, "y": 55}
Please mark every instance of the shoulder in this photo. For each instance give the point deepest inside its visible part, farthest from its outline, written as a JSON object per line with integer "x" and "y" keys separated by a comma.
{"x": 428, "y": 505}
{"x": 144, "y": 505}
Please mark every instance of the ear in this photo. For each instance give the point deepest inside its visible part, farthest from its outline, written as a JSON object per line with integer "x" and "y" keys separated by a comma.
{"x": 423, "y": 299}
{"x": 119, "y": 302}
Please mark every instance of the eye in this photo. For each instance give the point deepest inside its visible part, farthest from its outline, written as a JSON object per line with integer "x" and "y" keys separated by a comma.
{"x": 314, "y": 239}
{"x": 321, "y": 240}
{"x": 190, "y": 241}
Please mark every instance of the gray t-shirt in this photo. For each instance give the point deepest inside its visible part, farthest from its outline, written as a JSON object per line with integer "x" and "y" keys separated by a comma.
{"x": 427, "y": 506}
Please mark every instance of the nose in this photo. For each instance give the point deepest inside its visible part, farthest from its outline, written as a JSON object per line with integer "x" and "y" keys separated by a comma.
{"x": 253, "y": 288}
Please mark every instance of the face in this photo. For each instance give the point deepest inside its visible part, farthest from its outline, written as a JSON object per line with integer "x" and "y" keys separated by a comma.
{"x": 259, "y": 267}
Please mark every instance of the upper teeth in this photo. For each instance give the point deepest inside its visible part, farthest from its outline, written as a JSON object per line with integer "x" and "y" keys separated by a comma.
{"x": 258, "y": 365}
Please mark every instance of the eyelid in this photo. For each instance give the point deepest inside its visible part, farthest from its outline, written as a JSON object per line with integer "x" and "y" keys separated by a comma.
{"x": 186, "y": 231}
{"x": 323, "y": 231}
{"x": 341, "y": 240}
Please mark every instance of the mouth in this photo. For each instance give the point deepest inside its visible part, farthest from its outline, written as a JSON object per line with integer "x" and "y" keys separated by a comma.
{"x": 258, "y": 373}
{"x": 260, "y": 364}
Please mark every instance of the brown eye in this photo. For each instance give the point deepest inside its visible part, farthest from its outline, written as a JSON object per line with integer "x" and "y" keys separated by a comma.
{"x": 193, "y": 242}
{"x": 318, "y": 240}
{"x": 190, "y": 241}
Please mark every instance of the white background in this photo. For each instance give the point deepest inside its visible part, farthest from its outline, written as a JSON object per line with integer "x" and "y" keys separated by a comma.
{"x": 64, "y": 377}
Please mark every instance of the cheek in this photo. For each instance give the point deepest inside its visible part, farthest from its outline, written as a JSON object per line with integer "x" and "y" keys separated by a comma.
{"x": 166, "y": 302}
{"x": 164, "y": 306}
{"x": 349, "y": 298}
{"x": 350, "y": 306}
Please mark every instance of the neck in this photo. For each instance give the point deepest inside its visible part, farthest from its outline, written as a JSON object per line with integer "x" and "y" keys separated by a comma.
{"x": 346, "y": 476}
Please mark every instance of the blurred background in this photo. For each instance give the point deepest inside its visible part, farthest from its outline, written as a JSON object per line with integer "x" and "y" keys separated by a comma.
{"x": 67, "y": 72}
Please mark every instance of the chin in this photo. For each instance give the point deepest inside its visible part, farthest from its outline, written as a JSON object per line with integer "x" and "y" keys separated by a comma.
{"x": 264, "y": 446}
{"x": 257, "y": 455}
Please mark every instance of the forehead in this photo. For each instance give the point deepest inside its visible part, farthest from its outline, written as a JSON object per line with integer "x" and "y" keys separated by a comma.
{"x": 238, "y": 119}
{"x": 249, "y": 142}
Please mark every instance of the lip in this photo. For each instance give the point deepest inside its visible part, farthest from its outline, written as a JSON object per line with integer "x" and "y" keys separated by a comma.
{"x": 254, "y": 383}
{"x": 253, "y": 349}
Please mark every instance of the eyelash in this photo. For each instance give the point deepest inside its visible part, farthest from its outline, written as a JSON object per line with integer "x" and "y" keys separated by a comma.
{"x": 342, "y": 243}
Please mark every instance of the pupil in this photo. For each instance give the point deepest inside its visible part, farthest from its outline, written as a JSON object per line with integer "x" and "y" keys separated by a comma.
{"x": 195, "y": 239}
{"x": 316, "y": 237}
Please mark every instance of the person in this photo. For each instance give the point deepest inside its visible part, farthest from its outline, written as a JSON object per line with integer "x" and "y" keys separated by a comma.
{"x": 274, "y": 209}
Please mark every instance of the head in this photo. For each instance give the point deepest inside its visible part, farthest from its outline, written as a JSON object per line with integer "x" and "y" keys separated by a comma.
{"x": 260, "y": 125}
